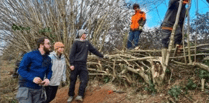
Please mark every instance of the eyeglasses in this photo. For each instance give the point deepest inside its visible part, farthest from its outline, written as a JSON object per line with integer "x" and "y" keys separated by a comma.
{"x": 48, "y": 43}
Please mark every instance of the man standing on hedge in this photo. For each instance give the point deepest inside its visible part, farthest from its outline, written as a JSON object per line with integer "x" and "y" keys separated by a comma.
{"x": 137, "y": 22}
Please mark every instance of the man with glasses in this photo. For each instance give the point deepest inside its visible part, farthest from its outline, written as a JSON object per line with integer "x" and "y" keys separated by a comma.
{"x": 33, "y": 67}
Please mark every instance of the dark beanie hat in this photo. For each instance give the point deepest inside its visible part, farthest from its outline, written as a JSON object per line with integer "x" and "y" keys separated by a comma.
{"x": 136, "y": 6}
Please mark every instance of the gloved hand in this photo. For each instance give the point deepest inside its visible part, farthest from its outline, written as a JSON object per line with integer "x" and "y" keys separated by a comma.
{"x": 45, "y": 82}
{"x": 140, "y": 28}
{"x": 37, "y": 80}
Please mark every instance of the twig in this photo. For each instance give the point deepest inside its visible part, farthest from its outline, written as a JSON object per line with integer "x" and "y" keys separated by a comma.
{"x": 188, "y": 32}
{"x": 98, "y": 74}
{"x": 114, "y": 73}
{"x": 169, "y": 82}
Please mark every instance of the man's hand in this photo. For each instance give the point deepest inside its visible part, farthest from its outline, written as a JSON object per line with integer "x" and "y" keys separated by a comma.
{"x": 72, "y": 67}
{"x": 45, "y": 82}
{"x": 140, "y": 28}
{"x": 37, "y": 80}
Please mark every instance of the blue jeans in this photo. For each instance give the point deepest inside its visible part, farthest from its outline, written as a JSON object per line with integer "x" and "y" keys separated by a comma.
{"x": 133, "y": 39}
{"x": 29, "y": 95}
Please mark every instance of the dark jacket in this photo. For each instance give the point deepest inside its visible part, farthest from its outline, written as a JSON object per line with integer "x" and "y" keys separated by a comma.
{"x": 171, "y": 13}
{"x": 34, "y": 65}
{"x": 79, "y": 52}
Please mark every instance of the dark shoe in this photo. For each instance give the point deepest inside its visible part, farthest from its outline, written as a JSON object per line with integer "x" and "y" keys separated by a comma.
{"x": 79, "y": 98}
{"x": 70, "y": 99}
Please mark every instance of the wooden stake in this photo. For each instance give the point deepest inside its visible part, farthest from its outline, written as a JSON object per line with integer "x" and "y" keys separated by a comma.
{"x": 202, "y": 84}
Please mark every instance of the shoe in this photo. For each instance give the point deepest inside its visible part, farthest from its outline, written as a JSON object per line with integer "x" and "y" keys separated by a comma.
{"x": 79, "y": 98}
{"x": 70, "y": 99}
{"x": 179, "y": 48}
{"x": 137, "y": 48}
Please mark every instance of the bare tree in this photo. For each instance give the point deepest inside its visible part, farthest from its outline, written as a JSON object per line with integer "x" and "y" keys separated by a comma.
{"x": 24, "y": 20}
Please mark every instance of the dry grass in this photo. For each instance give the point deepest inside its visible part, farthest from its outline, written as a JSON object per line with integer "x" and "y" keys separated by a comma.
{"x": 8, "y": 85}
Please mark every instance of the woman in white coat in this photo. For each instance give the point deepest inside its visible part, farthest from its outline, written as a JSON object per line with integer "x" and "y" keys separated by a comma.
{"x": 58, "y": 71}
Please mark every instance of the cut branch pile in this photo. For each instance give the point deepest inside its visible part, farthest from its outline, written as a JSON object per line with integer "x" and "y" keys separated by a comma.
{"x": 130, "y": 66}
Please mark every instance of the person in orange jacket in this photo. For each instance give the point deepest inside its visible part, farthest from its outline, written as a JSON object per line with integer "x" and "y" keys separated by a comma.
{"x": 137, "y": 22}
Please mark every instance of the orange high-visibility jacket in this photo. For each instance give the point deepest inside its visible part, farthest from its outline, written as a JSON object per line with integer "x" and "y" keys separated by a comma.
{"x": 138, "y": 19}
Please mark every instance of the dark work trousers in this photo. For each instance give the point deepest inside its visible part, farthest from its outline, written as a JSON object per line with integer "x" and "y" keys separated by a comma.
{"x": 81, "y": 70}
{"x": 50, "y": 93}
{"x": 166, "y": 36}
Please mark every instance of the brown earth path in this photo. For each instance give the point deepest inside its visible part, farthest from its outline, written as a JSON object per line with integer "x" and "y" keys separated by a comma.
{"x": 93, "y": 94}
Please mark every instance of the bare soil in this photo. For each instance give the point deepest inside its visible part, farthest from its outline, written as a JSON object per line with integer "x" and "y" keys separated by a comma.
{"x": 93, "y": 94}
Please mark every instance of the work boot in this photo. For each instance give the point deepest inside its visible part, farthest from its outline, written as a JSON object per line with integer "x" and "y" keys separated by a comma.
{"x": 137, "y": 48}
{"x": 179, "y": 48}
{"x": 70, "y": 99}
{"x": 79, "y": 98}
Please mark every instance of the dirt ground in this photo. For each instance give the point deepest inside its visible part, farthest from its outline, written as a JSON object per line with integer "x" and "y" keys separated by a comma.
{"x": 100, "y": 94}
{"x": 94, "y": 94}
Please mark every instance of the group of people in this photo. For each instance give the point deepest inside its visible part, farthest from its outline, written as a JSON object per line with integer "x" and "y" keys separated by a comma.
{"x": 139, "y": 18}
{"x": 42, "y": 69}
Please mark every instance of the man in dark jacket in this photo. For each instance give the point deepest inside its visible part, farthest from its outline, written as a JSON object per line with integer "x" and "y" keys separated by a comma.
{"x": 169, "y": 21}
{"x": 33, "y": 67}
{"x": 78, "y": 59}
